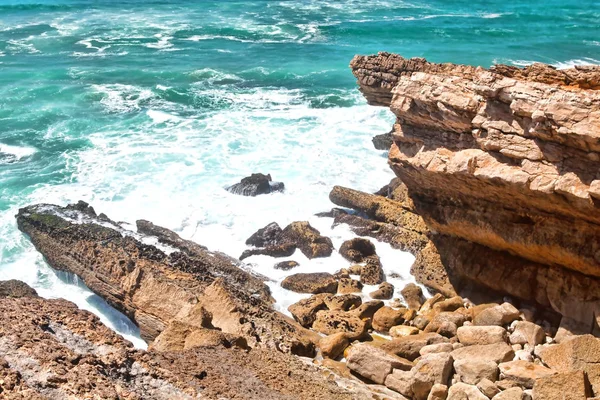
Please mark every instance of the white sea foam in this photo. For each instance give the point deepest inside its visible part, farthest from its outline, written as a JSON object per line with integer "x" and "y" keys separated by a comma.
{"x": 17, "y": 152}
{"x": 123, "y": 98}
{"x": 558, "y": 64}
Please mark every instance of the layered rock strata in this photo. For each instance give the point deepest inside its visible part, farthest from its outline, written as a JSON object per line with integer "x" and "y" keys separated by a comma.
{"x": 176, "y": 292}
{"x": 503, "y": 167}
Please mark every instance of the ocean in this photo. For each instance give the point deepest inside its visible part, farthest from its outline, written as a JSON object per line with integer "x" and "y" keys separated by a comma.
{"x": 148, "y": 109}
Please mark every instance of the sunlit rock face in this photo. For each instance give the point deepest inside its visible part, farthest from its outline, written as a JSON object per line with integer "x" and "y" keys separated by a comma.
{"x": 503, "y": 165}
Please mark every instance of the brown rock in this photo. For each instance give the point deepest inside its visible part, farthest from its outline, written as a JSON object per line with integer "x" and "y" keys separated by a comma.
{"x": 403, "y": 330}
{"x": 500, "y": 315}
{"x": 267, "y": 236}
{"x": 367, "y": 309}
{"x": 524, "y": 373}
{"x": 348, "y": 285}
{"x": 431, "y": 369}
{"x": 307, "y": 239}
{"x": 357, "y": 249}
{"x": 343, "y": 302}
{"x": 463, "y": 391}
{"x": 527, "y": 333}
{"x": 521, "y": 142}
{"x": 413, "y": 295}
{"x": 581, "y": 353}
{"x": 438, "y": 392}
{"x": 286, "y": 265}
{"x": 451, "y": 304}
{"x": 514, "y": 393}
{"x": 329, "y": 322}
{"x": 371, "y": 274}
{"x": 333, "y": 345}
{"x": 498, "y": 352}
{"x": 319, "y": 282}
{"x": 385, "y": 292}
{"x": 488, "y": 388}
{"x": 566, "y": 386}
{"x": 51, "y": 349}
{"x": 387, "y": 317}
{"x": 401, "y": 382}
{"x": 436, "y": 348}
{"x": 305, "y": 311}
{"x": 456, "y": 318}
{"x": 374, "y": 363}
{"x": 474, "y": 371}
{"x": 409, "y": 346}
{"x": 470, "y": 335}
{"x": 15, "y": 288}
{"x": 154, "y": 288}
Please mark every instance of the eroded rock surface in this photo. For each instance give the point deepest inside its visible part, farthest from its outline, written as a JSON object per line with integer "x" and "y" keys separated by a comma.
{"x": 501, "y": 176}
{"x": 49, "y": 349}
{"x": 155, "y": 287}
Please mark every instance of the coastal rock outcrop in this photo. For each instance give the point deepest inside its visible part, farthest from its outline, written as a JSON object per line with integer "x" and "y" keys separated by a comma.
{"x": 499, "y": 179}
{"x": 155, "y": 287}
{"x": 256, "y": 184}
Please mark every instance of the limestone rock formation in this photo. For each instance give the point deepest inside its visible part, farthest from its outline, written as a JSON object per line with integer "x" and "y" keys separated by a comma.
{"x": 499, "y": 179}
{"x": 155, "y": 287}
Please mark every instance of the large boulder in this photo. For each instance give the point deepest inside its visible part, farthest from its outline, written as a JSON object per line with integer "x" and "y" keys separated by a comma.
{"x": 409, "y": 346}
{"x": 413, "y": 295}
{"x": 497, "y": 352}
{"x": 344, "y": 302}
{"x": 564, "y": 386}
{"x": 384, "y": 292}
{"x": 308, "y": 239}
{"x": 527, "y": 333}
{"x": 463, "y": 391}
{"x": 267, "y": 236}
{"x": 372, "y": 273}
{"x": 283, "y": 249}
{"x": 581, "y": 353}
{"x": 373, "y": 363}
{"x": 387, "y": 317}
{"x": 431, "y": 369}
{"x": 305, "y": 311}
{"x": 474, "y": 371}
{"x": 383, "y": 141}
{"x": 333, "y": 345}
{"x": 349, "y": 285}
{"x": 500, "y": 315}
{"x": 523, "y": 372}
{"x": 470, "y": 335}
{"x": 319, "y": 282}
{"x": 329, "y": 322}
{"x": 401, "y": 382}
{"x": 357, "y": 249}
{"x": 255, "y": 185}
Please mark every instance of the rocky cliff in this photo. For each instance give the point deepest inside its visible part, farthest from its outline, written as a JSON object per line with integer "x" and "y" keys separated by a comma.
{"x": 503, "y": 167}
{"x": 168, "y": 293}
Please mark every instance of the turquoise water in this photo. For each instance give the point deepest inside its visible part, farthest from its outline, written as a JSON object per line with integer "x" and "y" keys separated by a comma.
{"x": 147, "y": 109}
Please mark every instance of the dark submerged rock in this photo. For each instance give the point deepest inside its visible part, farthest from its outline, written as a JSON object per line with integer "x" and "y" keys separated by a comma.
{"x": 255, "y": 185}
{"x": 267, "y": 236}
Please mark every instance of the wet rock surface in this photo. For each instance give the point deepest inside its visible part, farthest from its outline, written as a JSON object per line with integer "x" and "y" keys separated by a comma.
{"x": 256, "y": 184}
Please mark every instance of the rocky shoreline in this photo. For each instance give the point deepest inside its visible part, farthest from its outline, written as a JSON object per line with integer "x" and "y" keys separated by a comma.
{"x": 496, "y": 197}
